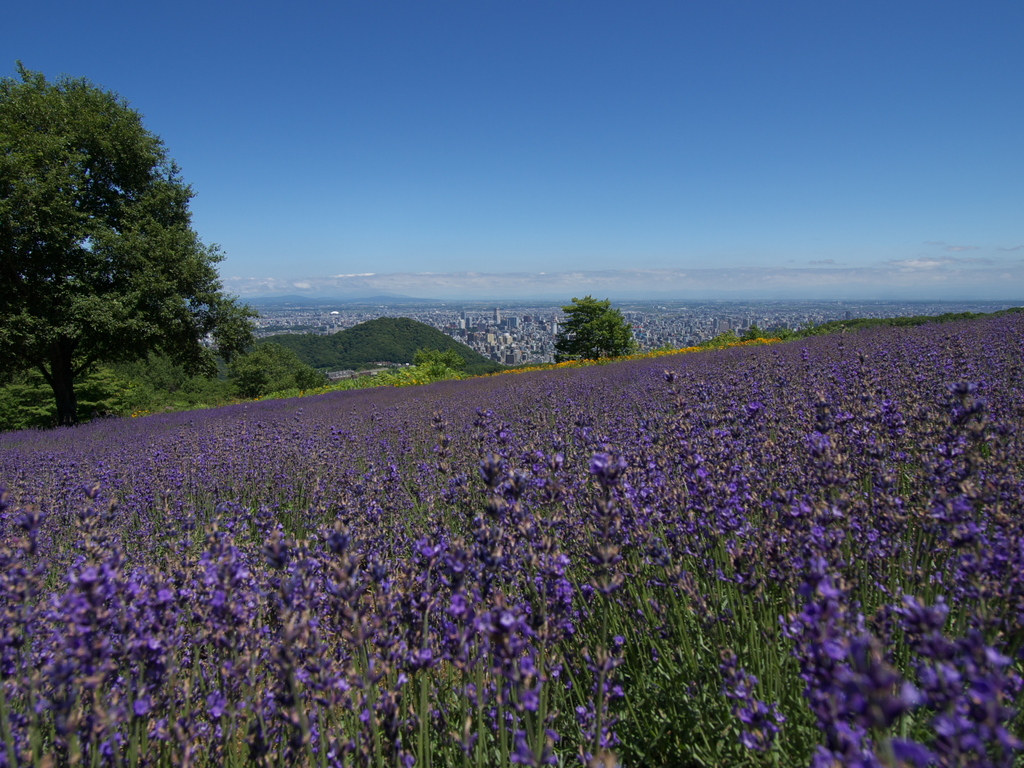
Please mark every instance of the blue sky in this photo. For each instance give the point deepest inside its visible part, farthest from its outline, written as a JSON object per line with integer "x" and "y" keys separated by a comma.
{"x": 820, "y": 148}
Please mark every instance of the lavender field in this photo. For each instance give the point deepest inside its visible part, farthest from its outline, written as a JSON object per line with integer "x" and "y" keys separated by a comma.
{"x": 800, "y": 554}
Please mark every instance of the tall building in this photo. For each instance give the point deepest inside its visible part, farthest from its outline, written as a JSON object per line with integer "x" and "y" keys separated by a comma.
{"x": 497, "y": 316}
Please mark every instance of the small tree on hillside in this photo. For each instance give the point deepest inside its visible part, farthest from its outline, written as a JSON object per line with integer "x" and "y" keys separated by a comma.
{"x": 272, "y": 368}
{"x": 593, "y": 330}
{"x": 753, "y": 332}
{"x": 435, "y": 358}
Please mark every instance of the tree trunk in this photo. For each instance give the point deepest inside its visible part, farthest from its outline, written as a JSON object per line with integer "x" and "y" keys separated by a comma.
{"x": 61, "y": 378}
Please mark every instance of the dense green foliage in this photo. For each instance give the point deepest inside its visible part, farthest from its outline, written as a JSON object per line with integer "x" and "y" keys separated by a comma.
{"x": 98, "y": 259}
{"x": 154, "y": 384}
{"x": 593, "y": 330}
{"x": 158, "y": 383}
{"x": 27, "y": 401}
{"x": 435, "y": 358}
{"x": 386, "y": 339}
{"x": 270, "y": 368}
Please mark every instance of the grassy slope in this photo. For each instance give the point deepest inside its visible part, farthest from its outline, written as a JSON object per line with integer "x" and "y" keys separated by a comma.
{"x": 841, "y": 326}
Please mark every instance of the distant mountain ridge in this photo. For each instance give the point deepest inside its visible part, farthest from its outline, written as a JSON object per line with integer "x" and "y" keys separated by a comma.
{"x": 386, "y": 339}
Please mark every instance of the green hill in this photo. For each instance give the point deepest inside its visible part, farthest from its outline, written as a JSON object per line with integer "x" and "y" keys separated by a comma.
{"x": 387, "y": 339}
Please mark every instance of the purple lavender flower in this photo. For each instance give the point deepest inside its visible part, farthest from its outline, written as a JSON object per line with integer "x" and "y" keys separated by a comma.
{"x": 761, "y": 721}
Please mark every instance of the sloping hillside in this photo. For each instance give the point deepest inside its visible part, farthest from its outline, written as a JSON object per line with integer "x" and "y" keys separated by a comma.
{"x": 387, "y": 339}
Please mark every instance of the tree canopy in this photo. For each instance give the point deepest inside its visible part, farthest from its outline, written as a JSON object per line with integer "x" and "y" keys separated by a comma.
{"x": 272, "y": 368}
{"x": 440, "y": 359}
{"x": 98, "y": 258}
{"x": 593, "y": 330}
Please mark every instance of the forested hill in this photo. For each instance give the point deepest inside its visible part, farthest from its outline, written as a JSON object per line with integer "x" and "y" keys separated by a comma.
{"x": 386, "y": 339}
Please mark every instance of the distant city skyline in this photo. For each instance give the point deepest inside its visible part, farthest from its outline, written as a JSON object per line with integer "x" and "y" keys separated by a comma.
{"x": 526, "y": 332}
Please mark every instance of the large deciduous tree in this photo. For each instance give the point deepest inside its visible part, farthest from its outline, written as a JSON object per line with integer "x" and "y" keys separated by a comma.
{"x": 593, "y": 330}
{"x": 98, "y": 258}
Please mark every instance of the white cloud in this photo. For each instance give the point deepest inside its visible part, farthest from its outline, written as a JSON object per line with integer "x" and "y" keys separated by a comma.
{"x": 966, "y": 278}
{"x": 922, "y": 262}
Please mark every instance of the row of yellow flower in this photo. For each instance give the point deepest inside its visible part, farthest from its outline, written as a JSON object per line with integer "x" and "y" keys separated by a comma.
{"x": 637, "y": 356}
